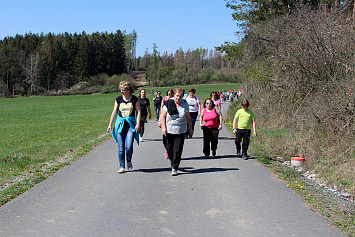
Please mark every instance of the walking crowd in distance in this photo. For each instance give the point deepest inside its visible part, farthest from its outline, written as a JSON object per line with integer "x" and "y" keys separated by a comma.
{"x": 177, "y": 114}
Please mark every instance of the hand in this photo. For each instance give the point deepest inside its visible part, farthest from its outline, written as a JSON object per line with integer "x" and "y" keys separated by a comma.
{"x": 159, "y": 124}
{"x": 137, "y": 128}
{"x": 254, "y": 134}
{"x": 234, "y": 130}
{"x": 191, "y": 132}
{"x": 220, "y": 127}
{"x": 201, "y": 126}
{"x": 163, "y": 131}
{"x": 109, "y": 129}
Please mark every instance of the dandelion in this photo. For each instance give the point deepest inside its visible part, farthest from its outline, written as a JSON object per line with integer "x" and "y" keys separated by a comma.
{"x": 301, "y": 186}
{"x": 296, "y": 181}
{"x": 288, "y": 185}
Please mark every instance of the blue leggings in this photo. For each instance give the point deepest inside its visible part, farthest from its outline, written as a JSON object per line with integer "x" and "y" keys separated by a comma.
{"x": 125, "y": 145}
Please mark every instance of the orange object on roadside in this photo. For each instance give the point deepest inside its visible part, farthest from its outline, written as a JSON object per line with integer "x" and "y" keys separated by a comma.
{"x": 297, "y": 161}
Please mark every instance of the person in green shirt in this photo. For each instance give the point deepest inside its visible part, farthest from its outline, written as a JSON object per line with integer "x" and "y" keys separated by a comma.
{"x": 243, "y": 120}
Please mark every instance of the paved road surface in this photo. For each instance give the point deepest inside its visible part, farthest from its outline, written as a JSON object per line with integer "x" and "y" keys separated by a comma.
{"x": 221, "y": 196}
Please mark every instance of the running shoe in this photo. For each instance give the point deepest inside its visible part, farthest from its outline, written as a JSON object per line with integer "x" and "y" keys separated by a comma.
{"x": 214, "y": 153}
{"x": 245, "y": 157}
{"x": 238, "y": 154}
{"x": 129, "y": 165}
{"x": 166, "y": 154}
{"x": 121, "y": 170}
{"x": 173, "y": 172}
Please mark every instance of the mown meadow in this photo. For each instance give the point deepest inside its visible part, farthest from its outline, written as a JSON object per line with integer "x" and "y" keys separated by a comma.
{"x": 36, "y": 130}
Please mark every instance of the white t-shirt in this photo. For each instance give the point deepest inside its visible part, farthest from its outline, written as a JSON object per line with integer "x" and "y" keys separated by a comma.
{"x": 193, "y": 103}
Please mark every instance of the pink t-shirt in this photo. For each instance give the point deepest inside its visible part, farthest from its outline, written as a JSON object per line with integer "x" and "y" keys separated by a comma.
{"x": 210, "y": 118}
{"x": 165, "y": 98}
{"x": 216, "y": 102}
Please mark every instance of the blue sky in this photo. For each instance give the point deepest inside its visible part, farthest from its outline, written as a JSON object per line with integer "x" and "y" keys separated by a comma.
{"x": 169, "y": 24}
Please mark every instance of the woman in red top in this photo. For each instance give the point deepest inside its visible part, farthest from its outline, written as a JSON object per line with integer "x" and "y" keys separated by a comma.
{"x": 211, "y": 122}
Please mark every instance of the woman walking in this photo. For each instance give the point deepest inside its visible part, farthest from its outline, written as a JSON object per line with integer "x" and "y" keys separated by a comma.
{"x": 210, "y": 122}
{"x": 145, "y": 108}
{"x": 126, "y": 125}
{"x": 169, "y": 95}
{"x": 194, "y": 107}
{"x": 157, "y": 104}
{"x": 216, "y": 101}
{"x": 175, "y": 117}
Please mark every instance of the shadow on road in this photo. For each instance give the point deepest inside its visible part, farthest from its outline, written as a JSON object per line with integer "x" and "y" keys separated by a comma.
{"x": 216, "y": 157}
{"x": 153, "y": 140}
{"x": 226, "y": 138}
{"x": 187, "y": 170}
{"x": 192, "y": 138}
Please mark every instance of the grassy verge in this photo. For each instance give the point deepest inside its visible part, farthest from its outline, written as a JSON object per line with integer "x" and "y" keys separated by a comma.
{"x": 340, "y": 216}
{"x": 272, "y": 142}
{"x": 40, "y": 135}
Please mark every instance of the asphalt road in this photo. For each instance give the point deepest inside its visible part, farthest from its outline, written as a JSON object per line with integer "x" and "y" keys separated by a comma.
{"x": 220, "y": 196}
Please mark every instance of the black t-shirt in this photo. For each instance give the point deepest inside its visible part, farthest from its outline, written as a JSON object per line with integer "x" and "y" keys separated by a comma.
{"x": 126, "y": 108}
{"x": 157, "y": 101}
{"x": 143, "y": 102}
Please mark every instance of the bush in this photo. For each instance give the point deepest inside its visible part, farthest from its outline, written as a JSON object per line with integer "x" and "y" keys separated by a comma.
{"x": 299, "y": 71}
{"x": 4, "y": 91}
{"x": 112, "y": 84}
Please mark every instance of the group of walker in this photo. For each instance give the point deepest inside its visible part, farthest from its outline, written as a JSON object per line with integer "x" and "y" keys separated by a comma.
{"x": 177, "y": 119}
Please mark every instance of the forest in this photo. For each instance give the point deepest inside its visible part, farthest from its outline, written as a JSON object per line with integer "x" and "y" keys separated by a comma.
{"x": 83, "y": 63}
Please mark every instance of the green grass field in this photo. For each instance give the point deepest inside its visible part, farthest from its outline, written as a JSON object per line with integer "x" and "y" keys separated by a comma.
{"x": 40, "y": 129}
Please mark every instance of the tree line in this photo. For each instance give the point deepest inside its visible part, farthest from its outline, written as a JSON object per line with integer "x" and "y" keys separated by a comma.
{"x": 36, "y": 64}
{"x": 33, "y": 63}
{"x": 194, "y": 66}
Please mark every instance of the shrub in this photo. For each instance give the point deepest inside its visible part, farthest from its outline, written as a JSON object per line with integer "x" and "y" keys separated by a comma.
{"x": 4, "y": 91}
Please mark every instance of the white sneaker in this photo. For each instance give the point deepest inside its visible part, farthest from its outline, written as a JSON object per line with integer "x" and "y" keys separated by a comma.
{"x": 140, "y": 138}
{"x": 173, "y": 172}
{"x": 129, "y": 165}
{"x": 121, "y": 170}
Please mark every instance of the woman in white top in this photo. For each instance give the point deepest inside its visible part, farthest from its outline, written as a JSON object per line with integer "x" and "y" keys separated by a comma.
{"x": 176, "y": 121}
{"x": 194, "y": 106}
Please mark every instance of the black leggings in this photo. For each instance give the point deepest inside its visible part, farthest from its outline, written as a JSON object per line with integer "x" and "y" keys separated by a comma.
{"x": 141, "y": 128}
{"x": 245, "y": 135}
{"x": 174, "y": 146}
{"x": 210, "y": 136}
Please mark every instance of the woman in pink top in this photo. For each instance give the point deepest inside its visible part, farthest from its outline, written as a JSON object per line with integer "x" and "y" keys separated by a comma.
{"x": 211, "y": 122}
{"x": 216, "y": 101}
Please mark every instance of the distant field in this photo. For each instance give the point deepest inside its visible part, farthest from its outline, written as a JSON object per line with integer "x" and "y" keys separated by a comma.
{"x": 39, "y": 129}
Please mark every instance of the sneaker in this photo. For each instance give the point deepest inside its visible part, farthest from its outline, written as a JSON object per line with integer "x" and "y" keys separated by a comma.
{"x": 207, "y": 156}
{"x": 129, "y": 166}
{"x": 140, "y": 138}
{"x": 121, "y": 170}
{"x": 173, "y": 172}
{"x": 238, "y": 154}
{"x": 245, "y": 157}
{"x": 214, "y": 153}
{"x": 166, "y": 154}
